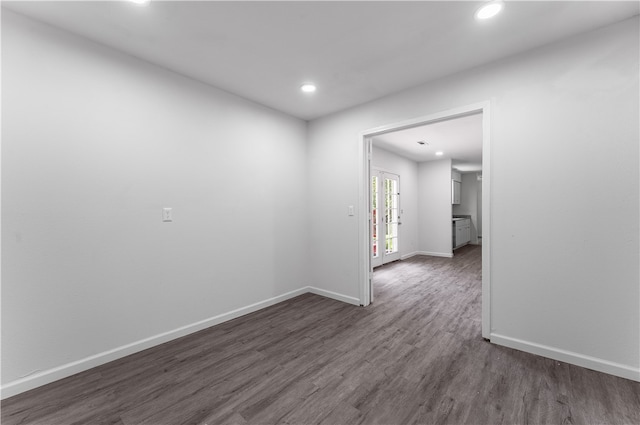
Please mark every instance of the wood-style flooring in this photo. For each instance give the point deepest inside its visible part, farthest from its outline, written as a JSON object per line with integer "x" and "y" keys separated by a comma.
{"x": 416, "y": 356}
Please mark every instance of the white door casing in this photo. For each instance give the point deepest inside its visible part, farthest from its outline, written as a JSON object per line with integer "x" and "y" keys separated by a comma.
{"x": 364, "y": 140}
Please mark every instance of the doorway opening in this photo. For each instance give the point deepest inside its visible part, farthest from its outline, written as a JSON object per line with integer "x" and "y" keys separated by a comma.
{"x": 370, "y": 229}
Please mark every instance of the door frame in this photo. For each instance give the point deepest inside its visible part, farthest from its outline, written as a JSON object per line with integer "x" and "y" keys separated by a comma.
{"x": 365, "y": 272}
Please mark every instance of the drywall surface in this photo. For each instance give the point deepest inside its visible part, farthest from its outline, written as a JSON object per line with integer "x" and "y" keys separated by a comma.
{"x": 559, "y": 115}
{"x": 434, "y": 207}
{"x": 469, "y": 192}
{"x": 408, "y": 172}
{"x": 479, "y": 222}
{"x": 95, "y": 143}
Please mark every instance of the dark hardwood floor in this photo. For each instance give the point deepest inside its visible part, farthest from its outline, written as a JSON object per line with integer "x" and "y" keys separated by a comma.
{"x": 416, "y": 356}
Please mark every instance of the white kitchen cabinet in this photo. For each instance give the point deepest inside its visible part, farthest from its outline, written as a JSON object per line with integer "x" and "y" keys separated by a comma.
{"x": 466, "y": 231}
{"x": 459, "y": 236}
{"x": 455, "y": 192}
{"x": 461, "y": 232}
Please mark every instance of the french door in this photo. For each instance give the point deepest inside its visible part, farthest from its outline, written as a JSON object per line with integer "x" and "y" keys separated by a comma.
{"x": 385, "y": 217}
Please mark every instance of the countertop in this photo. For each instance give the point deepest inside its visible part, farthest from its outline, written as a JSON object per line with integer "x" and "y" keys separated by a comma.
{"x": 459, "y": 217}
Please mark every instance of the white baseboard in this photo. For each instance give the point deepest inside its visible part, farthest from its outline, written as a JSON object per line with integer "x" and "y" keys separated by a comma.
{"x": 333, "y": 295}
{"x": 66, "y": 370}
{"x": 409, "y": 255}
{"x": 593, "y": 363}
{"x": 435, "y": 254}
{"x": 60, "y": 372}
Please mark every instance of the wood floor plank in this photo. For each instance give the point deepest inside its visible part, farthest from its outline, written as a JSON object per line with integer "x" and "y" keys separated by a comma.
{"x": 415, "y": 356}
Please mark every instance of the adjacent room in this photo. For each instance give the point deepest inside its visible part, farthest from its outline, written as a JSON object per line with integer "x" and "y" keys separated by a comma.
{"x": 244, "y": 212}
{"x": 434, "y": 173}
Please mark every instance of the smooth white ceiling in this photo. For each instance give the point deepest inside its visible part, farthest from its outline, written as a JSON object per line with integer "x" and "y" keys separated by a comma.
{"x": 459, "y": 139}
{"x": 354, "y": 51}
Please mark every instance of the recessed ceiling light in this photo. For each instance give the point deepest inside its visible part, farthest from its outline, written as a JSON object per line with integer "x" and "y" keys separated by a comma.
{"x": 439, "y": 153}
{"x": 140, "y": 2}
{"x": 308, "y": 88}
{"x": 489, "y": 10}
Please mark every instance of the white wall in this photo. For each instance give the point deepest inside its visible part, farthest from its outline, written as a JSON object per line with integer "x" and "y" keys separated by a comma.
{"x": 408, "y": 172}
{"x": 559, "y": 114}
{"x": 425, "y": 200}
{"x": 94, "y": 144}
{"x": 434, "y": 208}
{"x": 469, "y": 192}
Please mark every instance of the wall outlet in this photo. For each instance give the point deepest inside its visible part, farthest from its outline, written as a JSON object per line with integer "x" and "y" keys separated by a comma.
{"x": 167, "y": 215}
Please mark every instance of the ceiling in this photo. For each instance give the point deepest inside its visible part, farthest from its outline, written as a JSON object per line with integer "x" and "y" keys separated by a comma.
{"x": 459, "y": 139}
{"x": 354, "y": 51}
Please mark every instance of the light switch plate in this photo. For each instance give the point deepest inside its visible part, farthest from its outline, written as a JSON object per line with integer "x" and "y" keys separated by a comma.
{"x": 167, "y": 214}
{"x": 350, "y": 210}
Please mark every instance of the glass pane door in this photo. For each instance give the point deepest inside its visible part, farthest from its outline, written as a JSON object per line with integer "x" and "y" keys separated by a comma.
{"x": 375, "y": 253}
{"x": 385, "y": 217}
{"x": 391, "y": 214}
